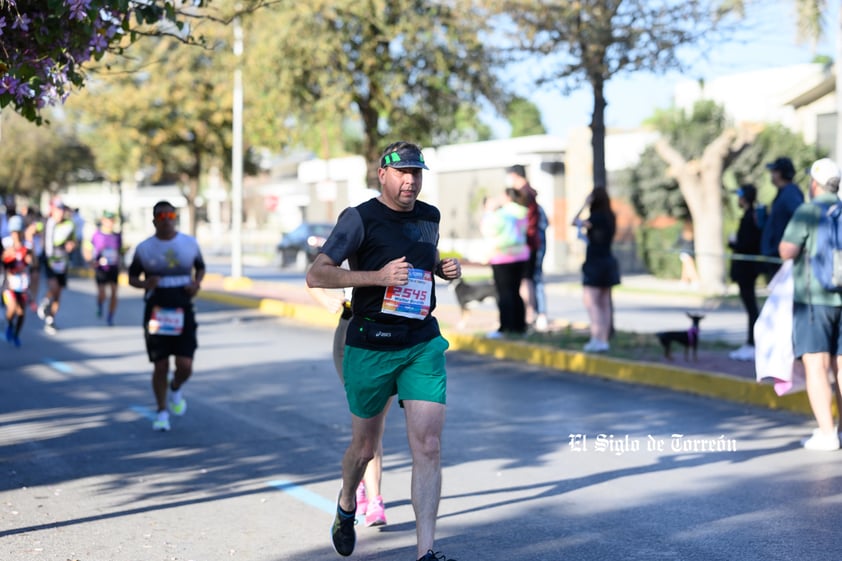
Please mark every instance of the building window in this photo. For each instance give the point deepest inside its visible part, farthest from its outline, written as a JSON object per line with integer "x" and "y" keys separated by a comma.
{"x": 826, "y": 132}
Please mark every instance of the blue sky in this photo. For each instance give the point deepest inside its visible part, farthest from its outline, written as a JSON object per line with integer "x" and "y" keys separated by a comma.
{"x": 766, "y": 39}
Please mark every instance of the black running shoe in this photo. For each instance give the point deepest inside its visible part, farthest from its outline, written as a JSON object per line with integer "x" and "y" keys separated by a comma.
{"x": 434, "y": 556}
{"x": 343, "y": 533}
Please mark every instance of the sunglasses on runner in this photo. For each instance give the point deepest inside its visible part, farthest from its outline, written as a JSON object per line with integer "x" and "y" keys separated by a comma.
{"x": 166, "y": 215}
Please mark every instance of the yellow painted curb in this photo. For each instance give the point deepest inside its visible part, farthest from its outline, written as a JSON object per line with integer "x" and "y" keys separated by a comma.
{"x": 241, "y": 283}
{"x": 314, "y": 315}
{"x": 686, "y": 380}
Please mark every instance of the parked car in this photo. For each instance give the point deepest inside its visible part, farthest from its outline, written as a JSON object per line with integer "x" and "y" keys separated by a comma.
{"x": 300, "y": 247}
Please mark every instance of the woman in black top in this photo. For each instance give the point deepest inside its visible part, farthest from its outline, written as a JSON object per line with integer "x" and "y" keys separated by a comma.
{"x": 744, "y": 272}
{"x": 600, "y": 270}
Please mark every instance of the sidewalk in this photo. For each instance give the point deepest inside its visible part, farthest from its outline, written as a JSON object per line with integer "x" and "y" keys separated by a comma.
{"x": 655, "y": 303}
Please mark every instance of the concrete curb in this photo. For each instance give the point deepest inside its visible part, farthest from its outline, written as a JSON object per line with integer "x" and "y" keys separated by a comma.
{"x": 686, "y": 380}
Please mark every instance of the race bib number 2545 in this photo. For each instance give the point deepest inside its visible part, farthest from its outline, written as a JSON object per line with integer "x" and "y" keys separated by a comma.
{"x": 411, "y": 300}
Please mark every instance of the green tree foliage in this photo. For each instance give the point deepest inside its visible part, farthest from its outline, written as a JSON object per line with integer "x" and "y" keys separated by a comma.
{"x": 698, "y": 148}
{"x": 401, "y": 69}
{"x": 691, "y": 132}
{"x": 524, "y": 117}
{"x": 590, "y": 42}
{"x": 809, "y": 17}
{"x": 163, "y": 106}
{"x": 43, "y": 159}
{"x": 654, "y": 192}
{"x": 810, "y": 22}
{"x": 774, "y": 141}
{"x": 467, "y": 127}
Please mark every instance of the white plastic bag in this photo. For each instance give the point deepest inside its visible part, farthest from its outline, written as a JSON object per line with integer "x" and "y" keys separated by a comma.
{"x": 773, "y": 354}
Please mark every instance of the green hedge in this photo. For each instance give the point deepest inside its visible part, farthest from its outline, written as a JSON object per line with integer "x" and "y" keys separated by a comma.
{"x": 658, "y": 251}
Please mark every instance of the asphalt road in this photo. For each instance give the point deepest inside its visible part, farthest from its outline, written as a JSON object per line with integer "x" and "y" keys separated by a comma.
{"x": 251, "y": 471}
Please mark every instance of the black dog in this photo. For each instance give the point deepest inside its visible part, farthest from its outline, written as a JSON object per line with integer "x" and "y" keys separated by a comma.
{"x": 689, "y": 338}
{"x": 467, "y": 293}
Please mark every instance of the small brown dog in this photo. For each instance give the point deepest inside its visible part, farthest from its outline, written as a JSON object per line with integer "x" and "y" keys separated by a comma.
{"x": 689, "y": 338}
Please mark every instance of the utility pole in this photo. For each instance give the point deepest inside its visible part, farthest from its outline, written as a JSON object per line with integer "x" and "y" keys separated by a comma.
{"x": 237, "y": 157}
{"x": 837, "y": 70}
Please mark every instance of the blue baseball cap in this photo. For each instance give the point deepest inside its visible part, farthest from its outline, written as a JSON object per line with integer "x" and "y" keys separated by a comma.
{"x": 784, "y": 166}
{"x": 748, "y": 192}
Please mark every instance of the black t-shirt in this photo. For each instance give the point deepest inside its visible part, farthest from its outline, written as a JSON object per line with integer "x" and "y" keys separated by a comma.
{"x": 371, "y": 235}
{"x": 748, "y": 243}
{"x": 600, "y": 234}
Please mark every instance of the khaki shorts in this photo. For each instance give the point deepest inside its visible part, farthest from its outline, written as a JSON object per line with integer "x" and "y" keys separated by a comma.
{"x": 416, "y": 373}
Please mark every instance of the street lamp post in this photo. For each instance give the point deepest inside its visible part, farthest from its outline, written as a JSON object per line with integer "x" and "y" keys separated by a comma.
{"x": 237, "y": 158}
{"x": 837, "y": 70}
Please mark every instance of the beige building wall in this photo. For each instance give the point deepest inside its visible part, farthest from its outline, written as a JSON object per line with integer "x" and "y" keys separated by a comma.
{"x": 812, "y": 102}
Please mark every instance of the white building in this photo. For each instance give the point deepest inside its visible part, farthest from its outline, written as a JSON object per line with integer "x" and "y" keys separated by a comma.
{"x": 461, "y": 176}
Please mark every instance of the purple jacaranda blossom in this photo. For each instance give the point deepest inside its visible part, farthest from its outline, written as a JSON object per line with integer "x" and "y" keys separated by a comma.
{"x": 50, "y": 43}
{"x": 98, "y": 42}
{"x": 78, "y": 9}
{"x": 111, "y": 31}
{"x": 50, "y": 69}
{"x": 22, "y": 22}
{"x": 49, "y": 95}
{"x": 8, "y": 84}
{"x": 13, "y": 86}
{"x": 24, "y": 92}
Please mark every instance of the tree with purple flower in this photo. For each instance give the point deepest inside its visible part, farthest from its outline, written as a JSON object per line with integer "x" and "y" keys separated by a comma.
{"x": 45, "y": 45}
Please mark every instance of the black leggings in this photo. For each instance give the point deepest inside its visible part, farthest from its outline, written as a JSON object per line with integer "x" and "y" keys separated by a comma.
{"x": 749, "y": 300}
{"x": 512, "y": 309}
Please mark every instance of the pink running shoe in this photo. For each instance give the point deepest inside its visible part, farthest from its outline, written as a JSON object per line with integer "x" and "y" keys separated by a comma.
{"x": 376, "y": 514}
{"x": 362, "y": 500}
